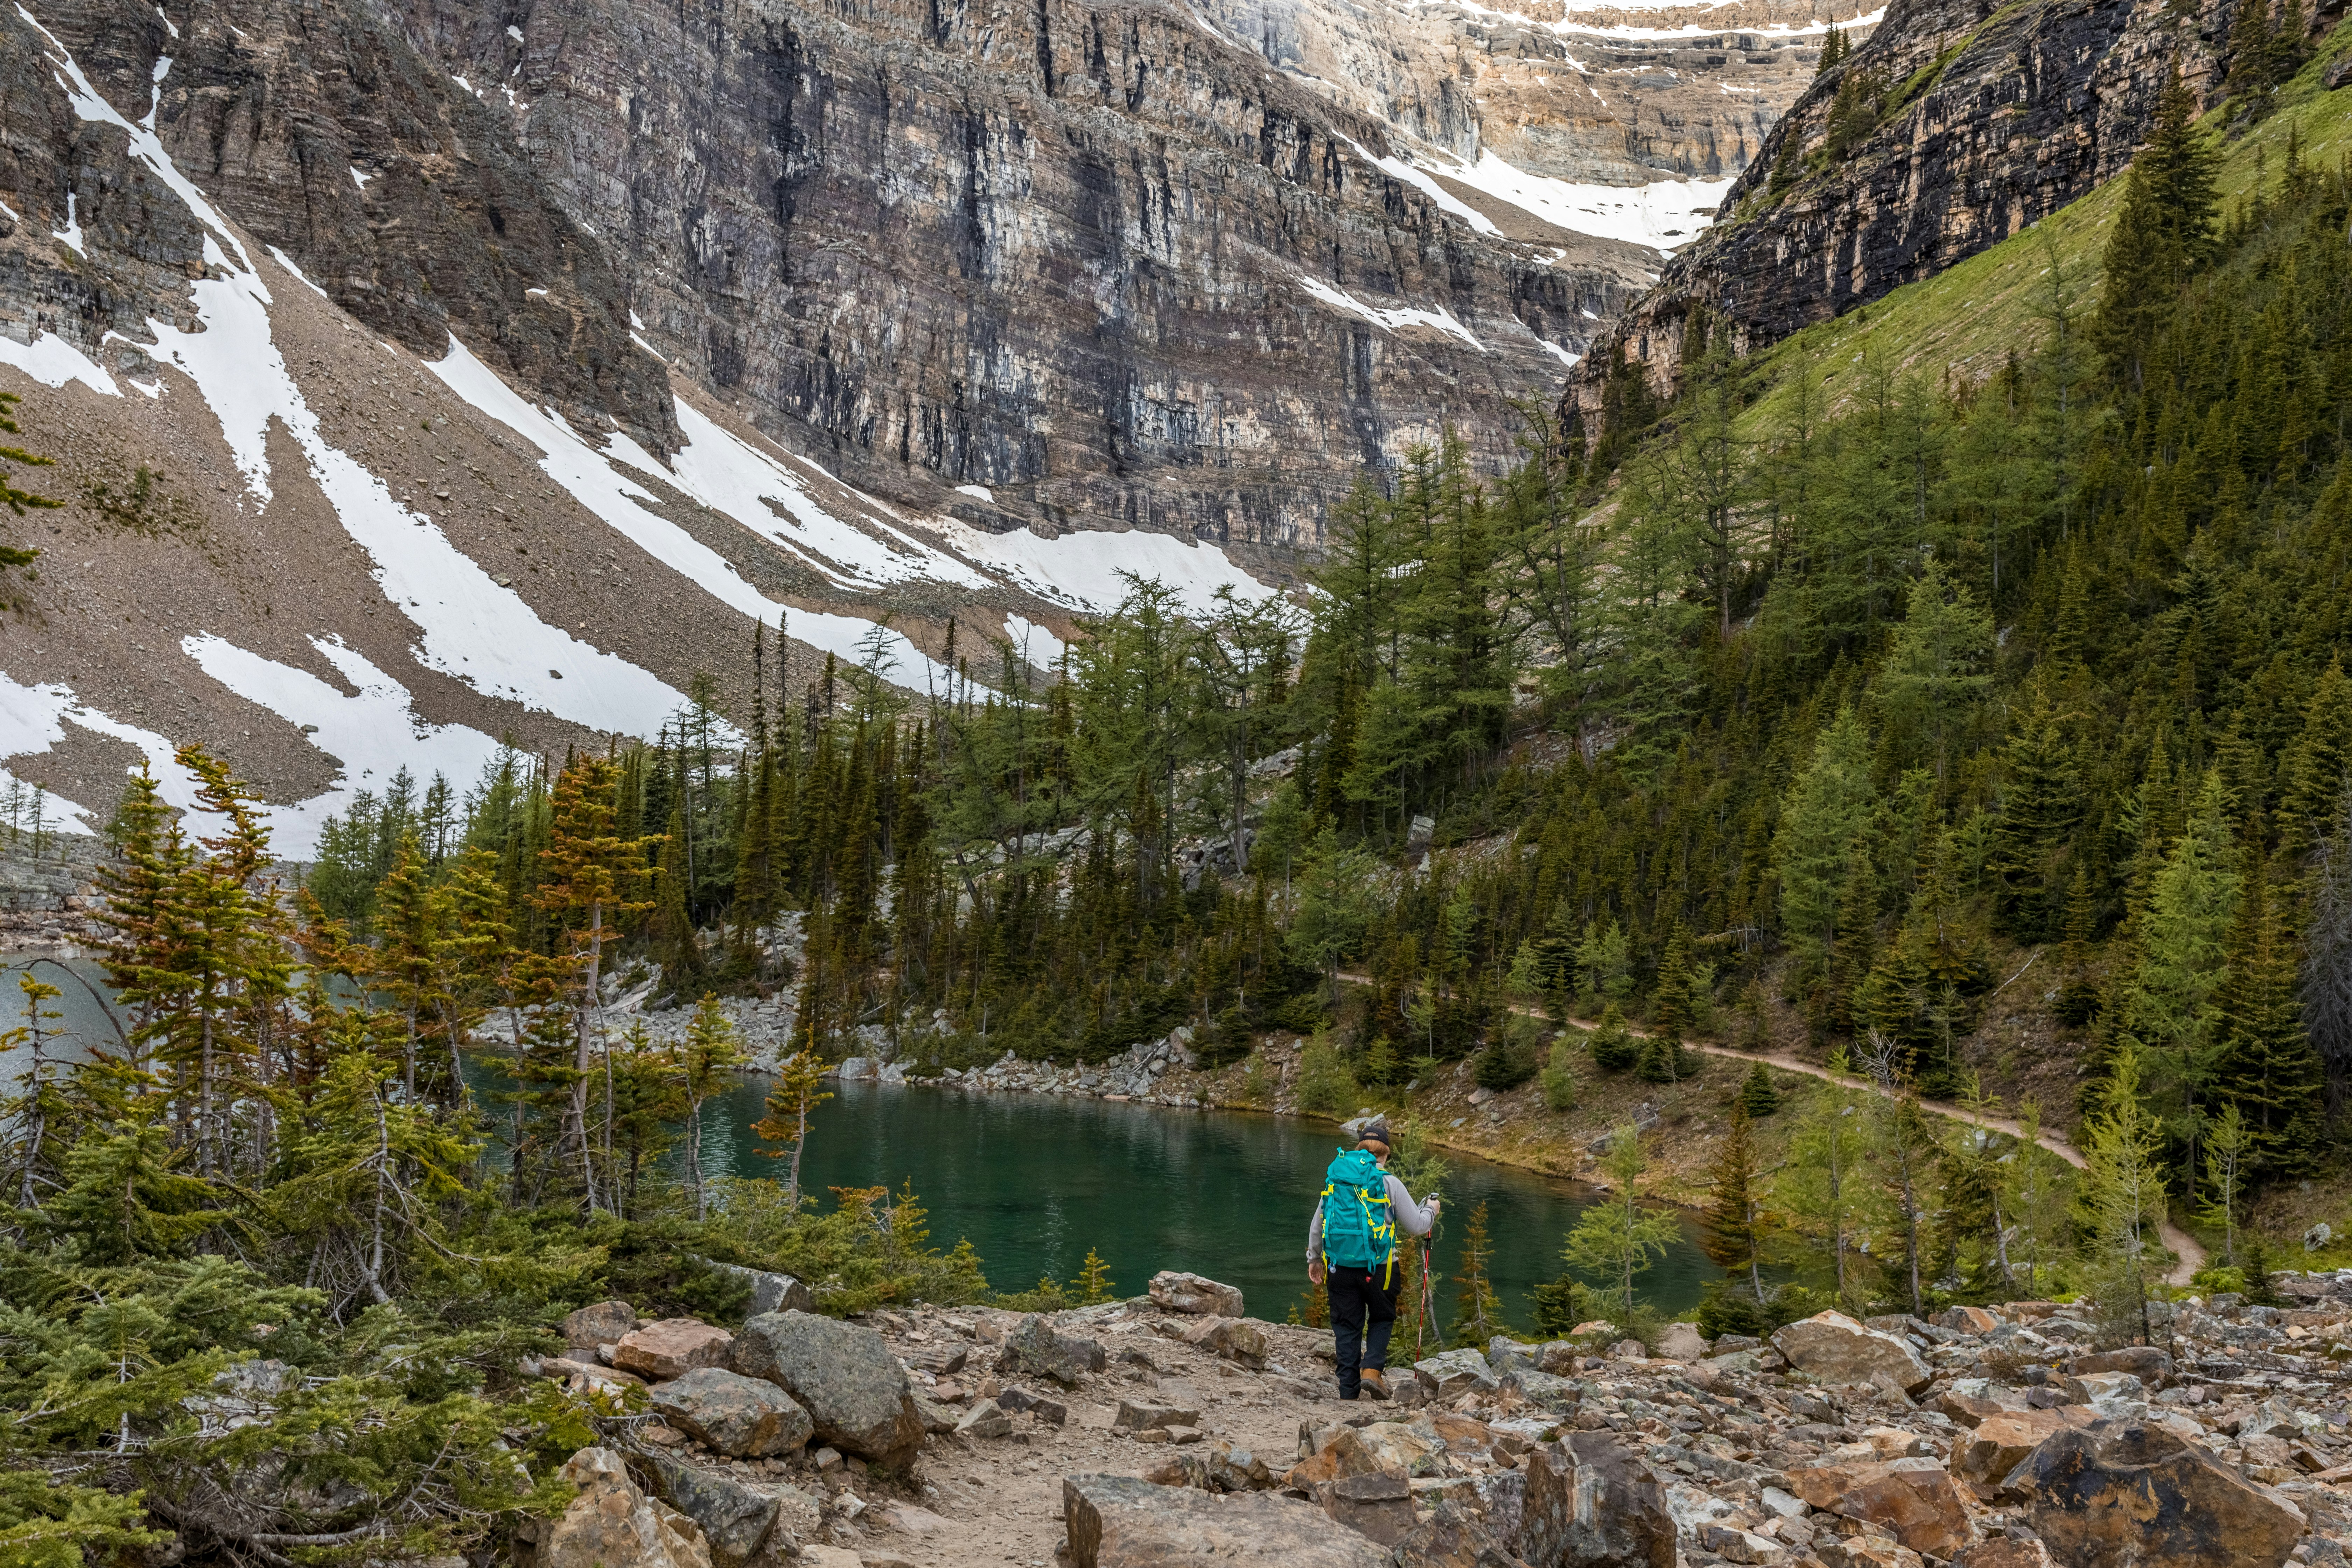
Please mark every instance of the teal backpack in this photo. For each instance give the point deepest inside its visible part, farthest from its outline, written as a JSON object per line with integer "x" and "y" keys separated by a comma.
{"x": 1359, "y": 1231}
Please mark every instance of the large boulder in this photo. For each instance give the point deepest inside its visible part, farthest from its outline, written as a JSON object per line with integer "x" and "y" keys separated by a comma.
{"x": 1834, "y": 1348}
{"x": 1589, "y": 1503}
{"x": 1234, "y": 1338}
{"x": 1036, "y": 1348}
{"x": 1126, "y": 1522}
{"x": 612, "y": 1524}
{"x": 743, "y": 1417}
{"x": 1452, "y": 1537}
{"x": 2002, "y": 1441}
{"x": 1681, "y": 1341}
{"x": 854, "y": 1390}
{"x": 1174, "y": 1292}
{"x": 602, "y": 1323}
{"x": 1451, "y": 1372}
{"x": 735, "y": 1520}
{"x": 1379, "y": 1505}
{"x": 1915, "y": 1499}
{"x": 2145, "y": 1362}
{"x": 672, "y": 1348}
{"x": 2123, "y": 1494}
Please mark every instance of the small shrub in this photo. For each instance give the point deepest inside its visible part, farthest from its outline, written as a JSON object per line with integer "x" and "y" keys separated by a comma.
{"x": 1613, "y": 1046}
{"x": 1561, "y": 1305}
{"x": 1727, "y": 1308}
{"x": 1257, "y": 1083}
{"x": 1559, "y": 1081}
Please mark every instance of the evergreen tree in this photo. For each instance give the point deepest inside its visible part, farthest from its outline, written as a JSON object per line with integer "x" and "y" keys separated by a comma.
{"x": 1561, "y": 1305}
{"x": 2184, "y": 955}
{"x": 796, "y": 1092}
{"x": 1616, "y": 1239}
{"x": 2123, "y": 1199}
{"x": 594, "y": 878}
{"x": 1613, "y": 1046}
{"x": 1827, "y": 809}
{"x": 2265, "y": 1068}
{"x": 2228, "y": 1141}
{"x": 2040, "y": 806}
{"x": 2163, "y": 233}
{"x": 1733, "y": 1222}
{"x": 1670, "y": 1011}
{"x": 1477, "y": 1310}
{"x": 712, "y": 1049}
{"x": 1757, "y": 1095}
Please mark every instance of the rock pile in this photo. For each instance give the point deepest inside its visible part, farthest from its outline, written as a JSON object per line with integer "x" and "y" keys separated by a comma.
{"x": 1161, "y": 1430}
{"x": 1134, "y": 1075}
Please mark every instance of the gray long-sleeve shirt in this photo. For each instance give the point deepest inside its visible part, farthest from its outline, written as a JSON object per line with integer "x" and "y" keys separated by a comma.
{"x": 1410, "y": 1218}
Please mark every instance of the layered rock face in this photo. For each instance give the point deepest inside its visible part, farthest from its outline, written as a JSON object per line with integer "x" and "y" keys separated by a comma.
{"x": 2002, "y": 116}
{"x": 319, "y": 131}
{"x": 1609, "y": 94}
{"x": 1092, "y": 259}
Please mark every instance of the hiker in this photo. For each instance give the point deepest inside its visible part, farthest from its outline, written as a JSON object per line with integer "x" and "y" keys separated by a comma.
{"x": 1351, "y": 1244}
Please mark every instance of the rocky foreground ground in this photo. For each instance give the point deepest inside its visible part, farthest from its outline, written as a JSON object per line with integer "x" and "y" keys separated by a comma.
{"x": 1172, "y": 1430}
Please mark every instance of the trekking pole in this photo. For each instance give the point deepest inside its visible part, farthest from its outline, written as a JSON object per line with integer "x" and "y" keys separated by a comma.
{"x": 1425, "y": 1318}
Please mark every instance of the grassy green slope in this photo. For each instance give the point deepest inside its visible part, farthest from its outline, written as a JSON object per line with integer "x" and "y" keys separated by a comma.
{"x": 1963, "y": 320}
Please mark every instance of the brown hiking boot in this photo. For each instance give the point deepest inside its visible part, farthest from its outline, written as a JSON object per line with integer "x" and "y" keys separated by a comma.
{"x": 1375, "y": 1384}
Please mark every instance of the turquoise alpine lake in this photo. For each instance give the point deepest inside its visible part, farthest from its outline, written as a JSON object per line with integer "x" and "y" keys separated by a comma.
{"x": 1033, "y": 1181}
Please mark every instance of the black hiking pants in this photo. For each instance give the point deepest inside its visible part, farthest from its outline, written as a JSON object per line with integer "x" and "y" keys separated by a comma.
{"x": 1363, "y": 1311}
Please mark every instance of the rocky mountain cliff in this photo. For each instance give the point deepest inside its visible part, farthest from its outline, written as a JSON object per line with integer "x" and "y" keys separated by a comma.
{"x": 1993, "y": 117}
{"x": 418, "y": 373}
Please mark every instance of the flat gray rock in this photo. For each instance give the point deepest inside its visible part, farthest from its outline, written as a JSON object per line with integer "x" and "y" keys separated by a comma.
{"x": 1126, "y": 1522}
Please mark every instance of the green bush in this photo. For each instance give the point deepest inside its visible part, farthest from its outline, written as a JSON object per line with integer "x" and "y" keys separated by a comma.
{"x": 1226, "y": 1043}
{"x": 1505, "y": 1063}
{"x": 1613, "y": 1046}
{"x": 1727, "y": 1308}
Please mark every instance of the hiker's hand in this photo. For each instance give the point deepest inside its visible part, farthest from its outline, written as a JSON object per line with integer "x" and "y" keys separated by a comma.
{"x": 1315, "y": 1271}
{"x": 1433, "y": 1203}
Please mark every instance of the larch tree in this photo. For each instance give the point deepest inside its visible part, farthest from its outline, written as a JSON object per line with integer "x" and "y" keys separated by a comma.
{"x": 1733, "y": 1221}
{"x": 712, "y": 1049}
{"x": 1477, "y": 1310}
{"x": 1617, "y": 1238}
{"x": 594, "y": 878}
{"x": 2124, "y": 1199}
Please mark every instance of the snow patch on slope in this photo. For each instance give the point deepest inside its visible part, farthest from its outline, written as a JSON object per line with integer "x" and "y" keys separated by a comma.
{"x": 1390, "y": 320}
{"x": 592, "y": 479}
{"x": 731, "y": 476}
{"x": 1083, "y": 569}
{"x": 1419, "y": 180}
{"x": 33, "y": 720}
{"x": 372, "y": 734}
{"x": 70, "y": 236}
{"x": 1662, "y": 214}
{"x": 51, "y": 361}
{"x": 1036, "y": 644}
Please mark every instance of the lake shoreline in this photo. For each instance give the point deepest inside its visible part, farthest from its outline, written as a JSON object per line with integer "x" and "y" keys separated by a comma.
{"x": 1555, "y": 1158}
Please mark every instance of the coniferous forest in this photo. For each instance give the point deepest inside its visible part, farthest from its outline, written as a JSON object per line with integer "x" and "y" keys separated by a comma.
{"x": 1828, "y": 699}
